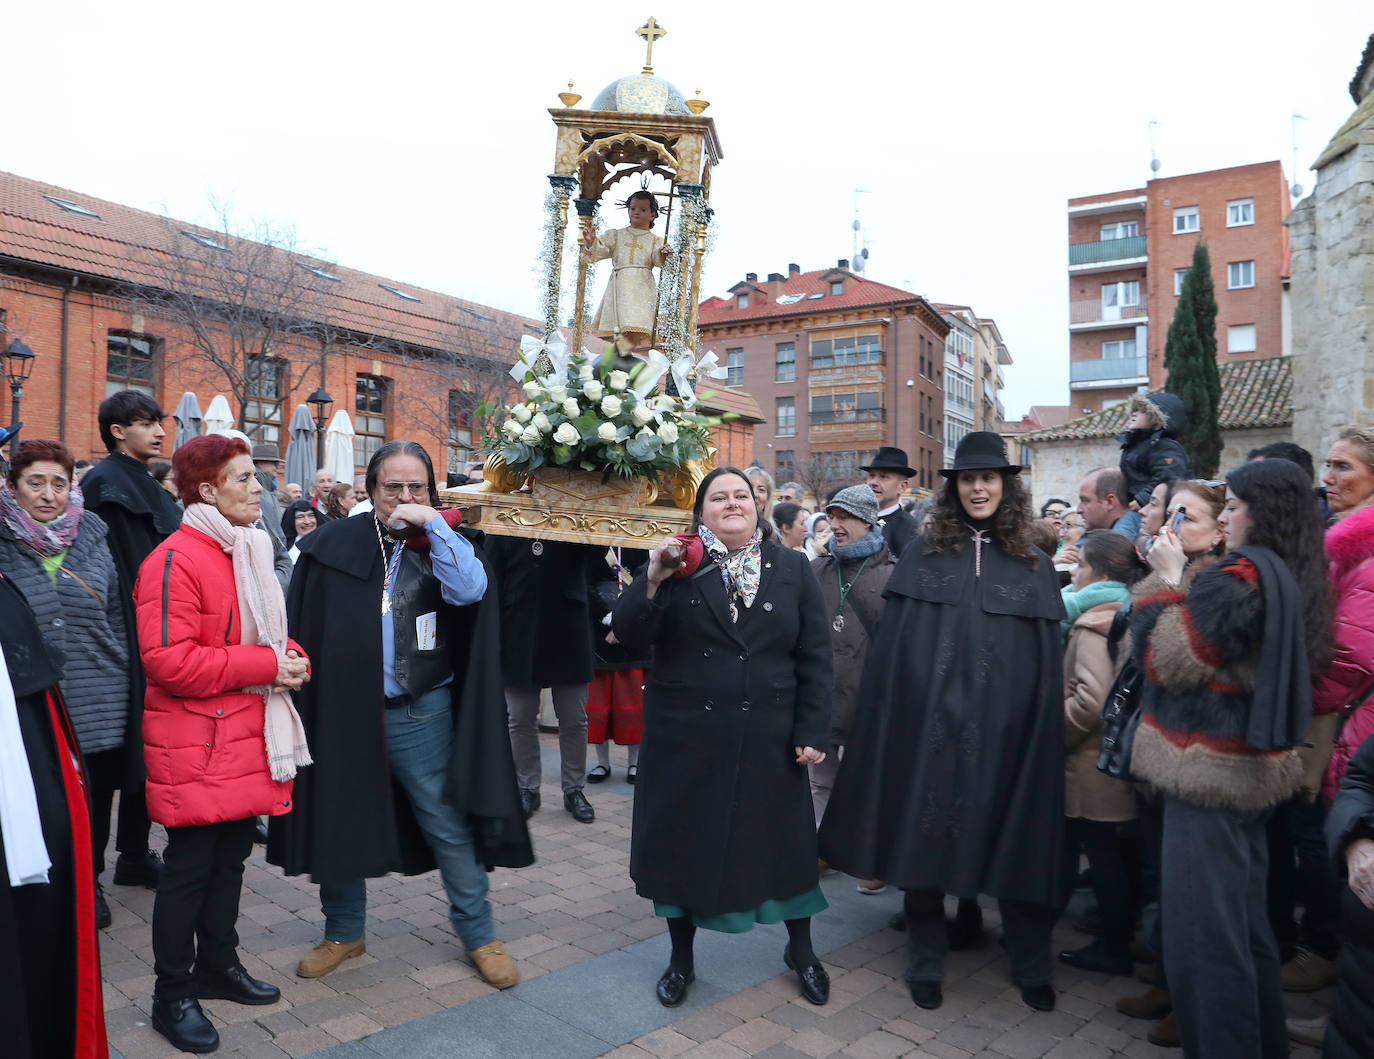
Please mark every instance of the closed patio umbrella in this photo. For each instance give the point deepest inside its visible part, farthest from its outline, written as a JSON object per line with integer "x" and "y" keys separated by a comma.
{"x": 300, "y": 450}
{"x": 190, "y": 422}
{"x": 217, "y": 416}
{"x": 338, "y": 447}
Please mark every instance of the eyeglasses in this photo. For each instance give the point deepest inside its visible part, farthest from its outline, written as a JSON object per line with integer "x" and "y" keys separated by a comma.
{"x": 1212, "y": 483}
{"x": 393, "y": 489}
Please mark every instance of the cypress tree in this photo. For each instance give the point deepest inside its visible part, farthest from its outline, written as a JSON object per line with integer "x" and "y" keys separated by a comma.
{"x": 1193, "y": 374}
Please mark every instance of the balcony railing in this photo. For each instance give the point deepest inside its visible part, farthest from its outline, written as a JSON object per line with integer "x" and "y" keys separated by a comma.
{"x": 849, "y": 415}
{"x": 1106, "y": 250}
{"x": 989, "y": 390}
{"x": 1092, "y": 311}
{"x": 848, "y": 360}
{"x": 1107, "y": 369}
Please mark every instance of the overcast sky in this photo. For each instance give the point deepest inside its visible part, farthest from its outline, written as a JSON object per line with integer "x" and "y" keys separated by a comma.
{"x": 413, "y": 140}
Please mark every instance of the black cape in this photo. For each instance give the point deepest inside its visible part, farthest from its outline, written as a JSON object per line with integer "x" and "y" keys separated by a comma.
{"x": 546, "y": 636}
{"x": 351, "y": 820}
{"x": 899, "y": 528}
{"x": 953, "y": 779}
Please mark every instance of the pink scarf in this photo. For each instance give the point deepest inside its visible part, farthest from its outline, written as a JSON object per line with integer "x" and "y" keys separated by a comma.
{"x": 46, "y": 538}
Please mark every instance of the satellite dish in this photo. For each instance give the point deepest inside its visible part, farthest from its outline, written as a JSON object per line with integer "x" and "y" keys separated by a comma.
{"x": 1154, "y": 165}
{"x": 864, "y": 253}
{"x": 1297, "y": 191}
{"x": 856, "y": 224}
{"x": 857, "y": 265}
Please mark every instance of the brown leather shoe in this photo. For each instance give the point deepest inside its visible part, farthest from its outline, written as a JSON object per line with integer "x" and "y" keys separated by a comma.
{"x": 1165, "y": 1033}
{"x": 327, "y": 955}
{"x": 1152, "y": 1004}
{"x": 494, "y": 965}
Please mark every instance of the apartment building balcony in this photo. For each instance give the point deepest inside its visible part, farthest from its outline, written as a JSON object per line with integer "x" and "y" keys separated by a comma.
{"x": 1092, "y": 315}
{"x": 989, "y": 390}
{"x": 1108, "y": 372}
{"x": 848, "y": 416}
{"x": 1107, "y": 254}
{"x": 823, "y": 373}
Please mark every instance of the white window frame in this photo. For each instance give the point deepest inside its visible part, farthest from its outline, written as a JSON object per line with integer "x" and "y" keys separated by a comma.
{"x": 1231, "y": 334}
{"x": 1121, "y": 343}
{"x": 1240, "y": 212}
{"x": 1179, "y": 273}
{"x": 1182, "y": 215}
{"x": 1237, "y": 273}
{"x": 1119, "y": 230}
{"x": 1117, "y": 296}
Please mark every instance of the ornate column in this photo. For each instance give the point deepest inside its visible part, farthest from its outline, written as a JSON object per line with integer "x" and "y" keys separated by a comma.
{"x": 563, "y": 187}
{"x": 586, "y": 211}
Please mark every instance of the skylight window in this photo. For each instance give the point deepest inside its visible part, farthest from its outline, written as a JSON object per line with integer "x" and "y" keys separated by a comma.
{"x": 205, "y": 241}
{"x": 398, "y": 292}
{"x": 480, "y": 316}
{"x": 790, "y": 299}
{"x": 72, "y": 207}
{"x": 319, "y": 272}
{"x": 818, "y": 294}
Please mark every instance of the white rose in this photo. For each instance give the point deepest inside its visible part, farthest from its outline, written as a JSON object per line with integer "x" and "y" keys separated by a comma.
{"x": 606, "y": 432}
{"x": 584, "y": 370}
{"x": 521, "y": 412}
{"x": 664, "y": 403}
{"x": 570, "y": 408}
{"x": 618, "y": 380}
{"x": 610, "y": 406}
{"x": 558, "y": 394}
{"x": 668, "y": 432}
{"x": 512, "y": 429}
{"x": 531, "y": 435}
{"x": 566, "y": 434}
{"x": 541, "y": 423}
{"x": 641, "y": 414}
{"x": 533, "y": 387}
{"x": 593, "y": 390}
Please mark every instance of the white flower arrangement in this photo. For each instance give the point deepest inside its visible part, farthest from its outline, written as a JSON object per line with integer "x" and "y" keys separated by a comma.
{"x": 570, "y": 420}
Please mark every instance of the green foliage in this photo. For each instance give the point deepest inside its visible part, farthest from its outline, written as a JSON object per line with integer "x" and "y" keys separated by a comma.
{"x": 1193, "y": 370}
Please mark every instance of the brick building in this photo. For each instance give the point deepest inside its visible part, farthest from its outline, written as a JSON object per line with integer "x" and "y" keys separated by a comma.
{"x": 1128, "y": 251}
{"x": 84, "y": 283}
{"x": 839, "y": 364}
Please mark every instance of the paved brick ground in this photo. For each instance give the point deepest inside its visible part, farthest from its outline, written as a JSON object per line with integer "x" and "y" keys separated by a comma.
{"x": 570, "y": 913}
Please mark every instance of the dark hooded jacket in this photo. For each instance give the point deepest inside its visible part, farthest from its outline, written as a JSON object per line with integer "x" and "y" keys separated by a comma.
{"x": 1351, "y": 1032}
{"x": 1150, "y": 455}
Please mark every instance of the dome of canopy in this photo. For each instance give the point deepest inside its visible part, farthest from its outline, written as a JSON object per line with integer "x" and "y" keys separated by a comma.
{"x": 641, "y": 94}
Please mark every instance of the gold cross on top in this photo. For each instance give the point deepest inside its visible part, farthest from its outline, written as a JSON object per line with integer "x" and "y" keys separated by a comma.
{"x": 650, "y": 31}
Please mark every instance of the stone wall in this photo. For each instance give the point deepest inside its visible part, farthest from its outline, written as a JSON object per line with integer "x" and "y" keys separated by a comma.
{"x": 1332, "y": 292}
{"x": 1058, "y": 466}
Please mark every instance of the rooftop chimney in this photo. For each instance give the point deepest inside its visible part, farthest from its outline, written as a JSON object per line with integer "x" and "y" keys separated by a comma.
{"x": 775, "y": 277}
{"x": 751, "y": 277}
{"x": 843, "y": 263}
{"x": 793, "y": 269}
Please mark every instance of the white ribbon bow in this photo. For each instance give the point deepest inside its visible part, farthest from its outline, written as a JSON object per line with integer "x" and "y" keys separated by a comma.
{"x": 648, "y": 374}
{"x": 684, "y": 371}
{"x": 528, "y": 357}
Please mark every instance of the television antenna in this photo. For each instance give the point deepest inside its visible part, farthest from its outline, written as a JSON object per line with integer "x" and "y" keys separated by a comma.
{"x": 1154, "y": 161}
{"x": 1293, "y": 120}
{"x": 858, "y": 259}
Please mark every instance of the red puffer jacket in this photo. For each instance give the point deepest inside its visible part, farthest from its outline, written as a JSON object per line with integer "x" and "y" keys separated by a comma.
{"x": 202, "y": 733}
{"x": 1350, "y": 547}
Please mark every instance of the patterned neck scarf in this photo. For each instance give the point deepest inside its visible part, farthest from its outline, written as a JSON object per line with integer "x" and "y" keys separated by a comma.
{"x": 740, "y": 570}
{"x": 46, "y": 538}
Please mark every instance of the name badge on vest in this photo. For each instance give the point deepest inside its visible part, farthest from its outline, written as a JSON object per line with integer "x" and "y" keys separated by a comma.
{"x": 426, "y": 631}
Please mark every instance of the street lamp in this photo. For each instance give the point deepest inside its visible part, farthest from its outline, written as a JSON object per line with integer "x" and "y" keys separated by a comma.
{"x": 322, "y": 403}
{"x": 18, "y": 365}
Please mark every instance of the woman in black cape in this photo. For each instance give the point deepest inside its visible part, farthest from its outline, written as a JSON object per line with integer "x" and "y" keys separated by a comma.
{"x": 953, "y": 781}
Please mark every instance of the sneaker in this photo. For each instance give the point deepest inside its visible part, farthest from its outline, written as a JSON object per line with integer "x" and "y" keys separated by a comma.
{"x": 871, "y": 887}
{"x": 1307, "y": 972}
{"x": 326, "y": 957}
{"x": 1311, "y": 1032}
{"x": 495, "y": 965}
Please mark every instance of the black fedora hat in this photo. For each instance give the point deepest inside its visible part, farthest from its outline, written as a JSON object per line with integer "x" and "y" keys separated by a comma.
{"x": 981, "y": 450}
{"x": 890, "y": 458}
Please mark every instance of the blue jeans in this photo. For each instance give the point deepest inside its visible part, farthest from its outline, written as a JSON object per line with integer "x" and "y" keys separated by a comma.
{"x": 419, "y": 743}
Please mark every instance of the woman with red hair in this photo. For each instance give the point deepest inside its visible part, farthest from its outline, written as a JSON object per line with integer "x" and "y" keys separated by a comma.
{"x": 222, "y": 741}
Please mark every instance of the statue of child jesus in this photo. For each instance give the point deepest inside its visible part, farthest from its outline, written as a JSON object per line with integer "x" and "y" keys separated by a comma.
{"x": 631, "y": 299}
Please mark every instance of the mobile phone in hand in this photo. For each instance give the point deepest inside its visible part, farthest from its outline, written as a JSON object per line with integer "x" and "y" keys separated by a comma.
{"x": 1178, "y": 519}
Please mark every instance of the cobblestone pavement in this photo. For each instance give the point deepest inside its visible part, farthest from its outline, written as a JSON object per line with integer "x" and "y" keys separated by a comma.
{"x": 589, "y": 953}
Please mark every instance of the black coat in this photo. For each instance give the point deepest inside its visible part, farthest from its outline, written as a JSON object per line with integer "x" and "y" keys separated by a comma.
{"x": 898, "y": 530}
{"x": 722, "y": 813}
{"x": 1149, "y": 456}
{"x": 351, "y": 819}
{"x": 139, "y": 515}
{"x": 1351, "y": 1032}
{"x": 546, "y": 635}
{"x": 603, "y": 590}
{"x": 953, "y": 779}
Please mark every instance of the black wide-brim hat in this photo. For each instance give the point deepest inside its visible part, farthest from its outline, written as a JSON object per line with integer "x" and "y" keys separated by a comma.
{"x": 981, "y": 451}
{"x": 890, "y": 458}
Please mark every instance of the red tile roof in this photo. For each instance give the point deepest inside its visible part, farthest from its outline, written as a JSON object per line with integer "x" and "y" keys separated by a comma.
{"x": 1254, "y": 394}
{"x": 123, "y": 244}
{"x": 801, "y": 293}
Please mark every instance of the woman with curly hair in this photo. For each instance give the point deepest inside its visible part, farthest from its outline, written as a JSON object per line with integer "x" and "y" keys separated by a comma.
{"x": 953, "y": 780}
{"x": 1228, "y": 660}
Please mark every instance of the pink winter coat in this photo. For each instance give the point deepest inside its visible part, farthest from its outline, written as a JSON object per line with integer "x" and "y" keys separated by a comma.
{"x": 202, "y": 732}
{"x": 1350, "y": 547}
